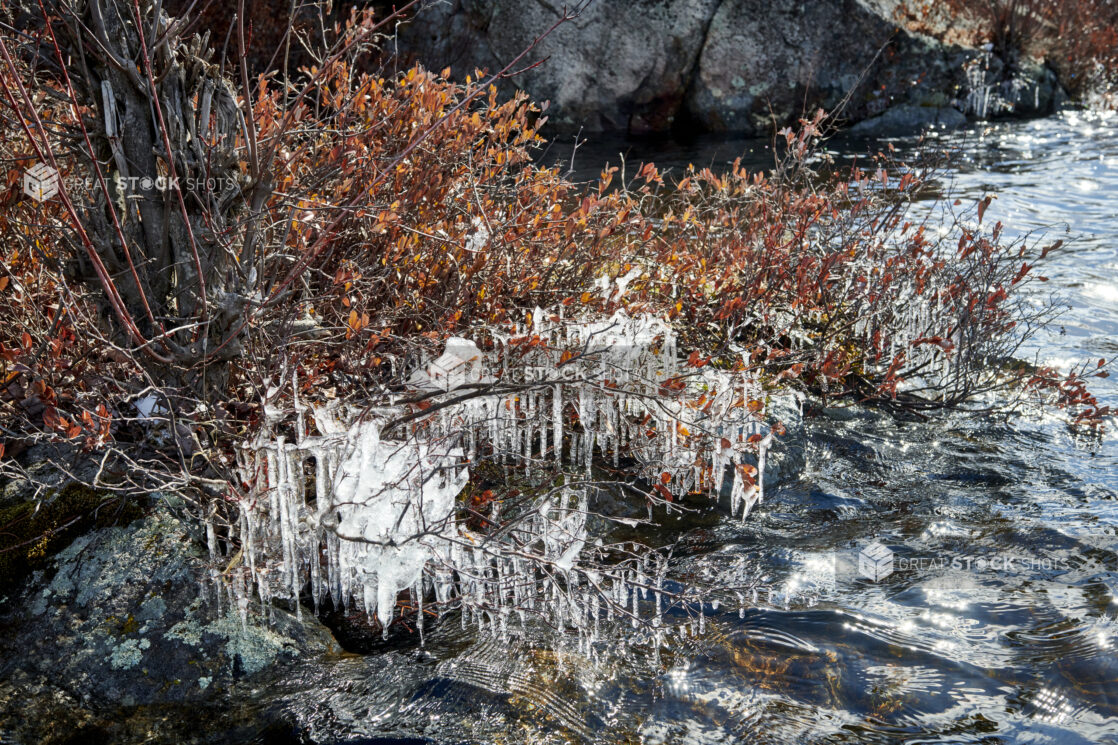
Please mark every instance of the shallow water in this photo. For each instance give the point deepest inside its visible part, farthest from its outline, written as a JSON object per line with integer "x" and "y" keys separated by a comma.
{"x": 999, "y": 623}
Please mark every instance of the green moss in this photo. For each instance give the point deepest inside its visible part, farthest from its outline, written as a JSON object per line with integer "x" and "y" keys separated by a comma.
{"x": 29, "y": 537}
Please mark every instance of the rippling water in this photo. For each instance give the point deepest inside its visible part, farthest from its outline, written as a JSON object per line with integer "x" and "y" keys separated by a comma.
{"x": 999, "y": 623}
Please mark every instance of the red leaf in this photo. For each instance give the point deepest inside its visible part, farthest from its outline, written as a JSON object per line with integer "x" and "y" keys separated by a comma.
{"x": 982, "y": 205}
{"x": 51, "y": 418}
{"x": 1053, "y": 247}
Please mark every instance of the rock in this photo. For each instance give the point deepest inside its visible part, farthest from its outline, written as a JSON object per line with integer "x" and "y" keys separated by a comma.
{"x": 40, "y": 474}
{"x": 908, "y": 119}
{"x": 654, "y": 65}
{"x": 741, "y": 66}
{"x": 1037, "y": 90}
{"x": 117, "y": 627}
{"x": 619, "y": 66}
{"x": 766, "y": 63}
{"x": 37, "y": 523}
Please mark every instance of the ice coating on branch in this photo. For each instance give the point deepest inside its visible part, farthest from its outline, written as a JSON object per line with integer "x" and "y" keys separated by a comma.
{"x": 377, "y": 509}
{"x": 460, "y": 364}
{"x": 394, "y": 501}
{"x": 361, "y": 511}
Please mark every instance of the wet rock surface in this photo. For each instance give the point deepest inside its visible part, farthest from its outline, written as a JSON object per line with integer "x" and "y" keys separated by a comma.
{"x": 906, "y": 118}
{"x": 122, "y": 638}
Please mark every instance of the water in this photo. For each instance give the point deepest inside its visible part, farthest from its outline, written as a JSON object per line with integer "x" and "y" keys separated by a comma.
{"x": 959, "y": 644}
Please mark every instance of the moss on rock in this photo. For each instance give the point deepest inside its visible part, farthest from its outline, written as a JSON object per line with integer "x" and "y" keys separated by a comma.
{"x": 32, "y": 532}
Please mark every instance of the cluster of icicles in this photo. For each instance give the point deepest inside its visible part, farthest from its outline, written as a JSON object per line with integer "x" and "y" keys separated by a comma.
{"x": 986, "y": 98}
{"x": 361, "y": 518}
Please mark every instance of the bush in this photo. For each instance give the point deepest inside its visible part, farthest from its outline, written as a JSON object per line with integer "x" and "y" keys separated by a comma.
{"x": 1078, "y": 38}
{"x": 322, "y": 240}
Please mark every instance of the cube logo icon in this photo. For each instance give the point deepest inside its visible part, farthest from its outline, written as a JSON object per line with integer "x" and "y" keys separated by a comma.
{"x": 40, "y": 182}
{"x": 875, "y": 562}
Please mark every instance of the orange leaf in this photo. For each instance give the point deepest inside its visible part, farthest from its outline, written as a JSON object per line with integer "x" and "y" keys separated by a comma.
{"x": 695, "y": 360}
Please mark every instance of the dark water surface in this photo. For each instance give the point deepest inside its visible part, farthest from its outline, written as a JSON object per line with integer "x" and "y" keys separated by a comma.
{"x": 999, "y": 623}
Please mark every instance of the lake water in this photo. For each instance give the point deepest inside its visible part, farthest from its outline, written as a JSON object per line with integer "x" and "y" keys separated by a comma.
{"x": 998, "y": 623}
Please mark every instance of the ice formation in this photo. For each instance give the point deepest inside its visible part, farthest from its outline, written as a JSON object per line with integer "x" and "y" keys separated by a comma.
{"x": 985, "y": 98}
{"x": 360, "y": 509}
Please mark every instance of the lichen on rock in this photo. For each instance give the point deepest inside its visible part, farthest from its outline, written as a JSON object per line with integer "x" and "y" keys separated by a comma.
{"x": 117, "y": 619}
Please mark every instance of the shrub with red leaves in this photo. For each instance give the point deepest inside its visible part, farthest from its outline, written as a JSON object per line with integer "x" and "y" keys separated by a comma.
{"x": 339, "y": 224}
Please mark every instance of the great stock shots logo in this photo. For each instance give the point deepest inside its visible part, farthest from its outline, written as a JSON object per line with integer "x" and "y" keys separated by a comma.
{"x": 40, "y": 182}
{"x": 822, "y": 574}
{"x": 875, "y": 562}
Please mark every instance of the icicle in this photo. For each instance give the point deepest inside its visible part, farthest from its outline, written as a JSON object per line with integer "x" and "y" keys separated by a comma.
{"x": 557, "y": 420}
{"x": 211, "y": 539}
{"x": 419, "y": 614}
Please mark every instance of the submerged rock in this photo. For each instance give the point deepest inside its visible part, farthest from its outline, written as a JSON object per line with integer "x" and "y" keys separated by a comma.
{"x": 118, "y": 628}
{"x": 907, "y": 119}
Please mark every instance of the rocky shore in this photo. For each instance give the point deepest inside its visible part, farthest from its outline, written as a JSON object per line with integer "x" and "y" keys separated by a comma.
{"x": 736, "y": 66}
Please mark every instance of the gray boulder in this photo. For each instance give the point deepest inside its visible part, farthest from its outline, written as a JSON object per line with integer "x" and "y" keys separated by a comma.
{"x": 119, "y": 633}
{"x": 618, "y": 66}
{"x": 741, "y": 66}
{"x": 767, "y": 62}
